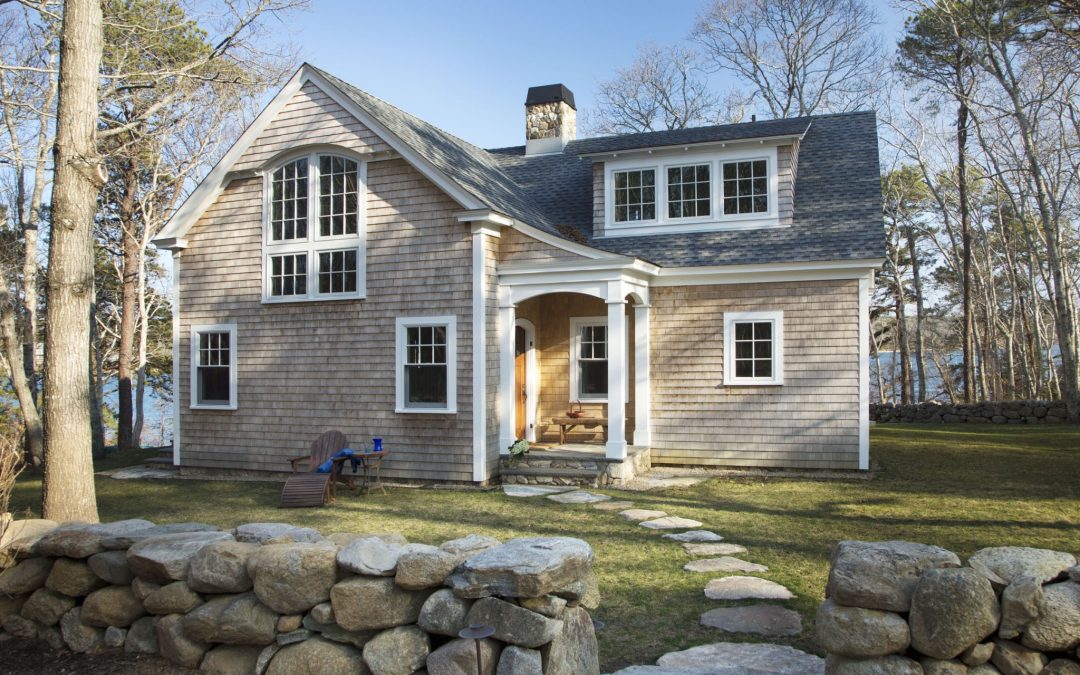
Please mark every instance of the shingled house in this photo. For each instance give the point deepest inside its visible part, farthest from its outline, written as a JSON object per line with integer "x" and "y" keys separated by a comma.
{"x": 700, "y": 295}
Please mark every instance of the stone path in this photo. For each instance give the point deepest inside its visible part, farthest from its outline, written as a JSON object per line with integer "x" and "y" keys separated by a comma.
{"x": 724, "y": 565}
{"x": 535, "y": 490}
{"x": 767, "y": 620}
{"x": 746, "y": 588}
{"x": 579, "y": 497}
{"x": 771, "y": 620}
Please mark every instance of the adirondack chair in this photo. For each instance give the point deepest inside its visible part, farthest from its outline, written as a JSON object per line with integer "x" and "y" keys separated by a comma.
{"x": 312, "y": 488}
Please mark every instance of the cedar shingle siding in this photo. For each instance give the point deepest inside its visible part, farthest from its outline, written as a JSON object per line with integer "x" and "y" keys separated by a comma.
{"x": 307, "y": 367}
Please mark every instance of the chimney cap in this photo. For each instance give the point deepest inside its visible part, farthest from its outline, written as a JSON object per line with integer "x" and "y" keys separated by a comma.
{"x": 550, "y": 93}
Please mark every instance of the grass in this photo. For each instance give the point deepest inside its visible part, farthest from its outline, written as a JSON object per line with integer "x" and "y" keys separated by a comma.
{"x": 962, "y": 487}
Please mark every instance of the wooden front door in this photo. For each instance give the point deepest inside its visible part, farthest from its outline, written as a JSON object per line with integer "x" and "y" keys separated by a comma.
{"x": 520, "y": 347}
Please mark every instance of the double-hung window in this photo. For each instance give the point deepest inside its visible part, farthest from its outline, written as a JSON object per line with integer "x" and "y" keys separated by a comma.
{"x": 426, "y": 380}
{"x": 754, "y": 348}
{"x": 314, "y": 239}
{"x": 213, "y": 367}
{"x": 588, "y": 358}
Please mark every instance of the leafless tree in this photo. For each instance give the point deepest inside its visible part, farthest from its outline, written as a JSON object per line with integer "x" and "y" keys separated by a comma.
{"x": 664, "y": 88}
{"x": 798, "y": 57}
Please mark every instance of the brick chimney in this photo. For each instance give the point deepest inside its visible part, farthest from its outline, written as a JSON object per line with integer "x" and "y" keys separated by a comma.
{"x": 550, "y": 119}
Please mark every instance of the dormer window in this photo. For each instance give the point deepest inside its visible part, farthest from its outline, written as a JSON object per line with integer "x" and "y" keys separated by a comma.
{"x": 324, "y": 261}
{"x": 691, "y": 190}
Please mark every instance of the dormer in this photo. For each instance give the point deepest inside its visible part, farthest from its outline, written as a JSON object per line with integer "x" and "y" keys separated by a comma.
{"x": 709, "y": 186}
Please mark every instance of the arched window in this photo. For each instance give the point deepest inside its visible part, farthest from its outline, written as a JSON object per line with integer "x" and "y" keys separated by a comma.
{"x": 314, "y": 244}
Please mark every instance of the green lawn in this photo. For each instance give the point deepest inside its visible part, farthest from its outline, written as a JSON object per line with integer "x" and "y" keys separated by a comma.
{"x": 963, "y": 487}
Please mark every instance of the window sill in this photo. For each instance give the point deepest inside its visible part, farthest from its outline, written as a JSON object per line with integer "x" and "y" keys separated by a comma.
{"x": 426, "y": 411}
{"x": 297, "y": 301}
{"x": 226, "y": 406}
{"x": 753, "y": 383}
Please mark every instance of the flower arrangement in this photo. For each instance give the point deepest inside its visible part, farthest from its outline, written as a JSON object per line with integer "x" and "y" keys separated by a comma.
{"x": 518, "y": 450}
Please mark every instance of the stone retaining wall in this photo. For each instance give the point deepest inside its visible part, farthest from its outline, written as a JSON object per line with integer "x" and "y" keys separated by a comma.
{"x": 277, "y": 599}
{"x": 1008, "y": 412}
{"x": 900, "y": 607}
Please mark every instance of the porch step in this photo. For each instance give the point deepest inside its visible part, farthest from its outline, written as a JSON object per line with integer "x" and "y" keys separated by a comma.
{"x": 550, "y": 476}
{"x": 162, "y": 461}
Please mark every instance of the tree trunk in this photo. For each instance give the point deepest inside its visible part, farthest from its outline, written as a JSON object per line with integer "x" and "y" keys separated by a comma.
{"x": 68, "y": 485}
{"x": 97, "y": 423}
{"x": 144, "y": 330}
{"x": 916, "y": 286}
{"x": 129, "y": 277}
{"x": 19, "y": 382}
{"x": 901, "y": 342}
{"x": 967, "y": 332}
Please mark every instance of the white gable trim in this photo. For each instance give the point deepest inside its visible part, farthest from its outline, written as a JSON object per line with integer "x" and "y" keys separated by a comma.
{"x": 214, "y": 183}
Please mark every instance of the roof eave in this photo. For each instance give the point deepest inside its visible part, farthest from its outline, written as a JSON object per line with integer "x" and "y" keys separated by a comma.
{"x": 701, "y": 144}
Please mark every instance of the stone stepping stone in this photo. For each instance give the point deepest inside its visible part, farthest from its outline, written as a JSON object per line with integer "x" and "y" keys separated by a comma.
{"x": 670, "y": 523}
{"x": 739, "y": 658}
{"x": 579, "y": 497}
{"x": 768, "y": 620}
{"x": 746, "y": 588}
{"x": 713, "y": 548}
{"x": 723, "y": 564}
{"x": 613, "y": 506}
{"x": 694, "y": 536}
{"x": 535, "y": 490}
{"x": 639, "y": 515}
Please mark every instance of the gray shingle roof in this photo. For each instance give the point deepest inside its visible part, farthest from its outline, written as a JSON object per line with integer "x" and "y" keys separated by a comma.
{"x": 837, "y": 198}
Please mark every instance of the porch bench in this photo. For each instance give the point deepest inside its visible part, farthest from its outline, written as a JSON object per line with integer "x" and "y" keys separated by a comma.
{"x": 568, "y": 423}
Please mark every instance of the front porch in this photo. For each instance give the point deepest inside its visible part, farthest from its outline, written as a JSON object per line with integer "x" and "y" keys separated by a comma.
{"x": 574, "y": 369}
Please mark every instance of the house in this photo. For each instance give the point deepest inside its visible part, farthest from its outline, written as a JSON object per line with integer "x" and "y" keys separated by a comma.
{"x": 347, "y": 265}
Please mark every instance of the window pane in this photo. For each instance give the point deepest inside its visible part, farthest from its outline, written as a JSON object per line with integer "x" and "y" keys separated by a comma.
{"x": 763, "y": 368}
{"x": 744, "y": 369}
{"x": 425, "y": 386}
{"x": 288, "y": 213}
{"x": 744, "y": 330}
{"x": 213, "y": 384}
{"x": 744, "y": 350}
{"x": 592, "y": 378}
{"x": 763, "y": 330}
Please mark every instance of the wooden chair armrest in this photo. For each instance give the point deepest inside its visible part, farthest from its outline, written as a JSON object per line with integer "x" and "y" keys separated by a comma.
{"x": 293, "y": 460}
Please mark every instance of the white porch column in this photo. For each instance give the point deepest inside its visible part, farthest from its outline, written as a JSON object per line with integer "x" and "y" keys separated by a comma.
{"x": 617, "y": 373}
{"x": 506, "y": 409}
{"x": 642, "y": 390}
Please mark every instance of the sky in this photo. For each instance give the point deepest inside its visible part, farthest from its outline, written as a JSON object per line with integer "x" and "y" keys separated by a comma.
{"x": 465, "y": 65}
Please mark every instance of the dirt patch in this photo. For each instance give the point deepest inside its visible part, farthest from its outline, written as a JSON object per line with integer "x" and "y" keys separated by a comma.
{"x": 22, "y": 657}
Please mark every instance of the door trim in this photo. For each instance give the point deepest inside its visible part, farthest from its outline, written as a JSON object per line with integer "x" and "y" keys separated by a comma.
{"x": 532, "y": 380}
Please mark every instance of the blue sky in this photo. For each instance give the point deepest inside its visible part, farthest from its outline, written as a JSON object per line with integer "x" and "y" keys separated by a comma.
{"x": 465, "y": 65}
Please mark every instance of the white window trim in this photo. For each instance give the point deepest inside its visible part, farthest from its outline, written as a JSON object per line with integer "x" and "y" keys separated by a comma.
{"x": 777, "y": 319}
{"x": 314, "y": 243}
{"x": 400, "y": 324}
{"x": 716, "y": 222}
{"x": 229, "y": 328}
{"x": 576, "y": 323}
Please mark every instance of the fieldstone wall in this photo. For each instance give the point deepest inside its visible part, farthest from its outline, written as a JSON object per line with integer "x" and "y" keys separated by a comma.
{"x": 1008, "y": 412}
{"x": 550, "y": 120}
{"x": 278, "y": 599}
{"x": 899, "y": 607}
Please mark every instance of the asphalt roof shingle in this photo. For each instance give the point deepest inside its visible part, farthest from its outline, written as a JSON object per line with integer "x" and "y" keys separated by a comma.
{"x": 837, "y": 196}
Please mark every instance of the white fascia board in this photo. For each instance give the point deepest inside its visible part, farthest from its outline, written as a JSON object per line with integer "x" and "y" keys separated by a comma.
{"x": 621, "y": 264}
{"x": 738, "y": 274}
{"x": 214, "y": 183}
{"x": 760, "y": 140}
{"x": 484, "y": 216}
